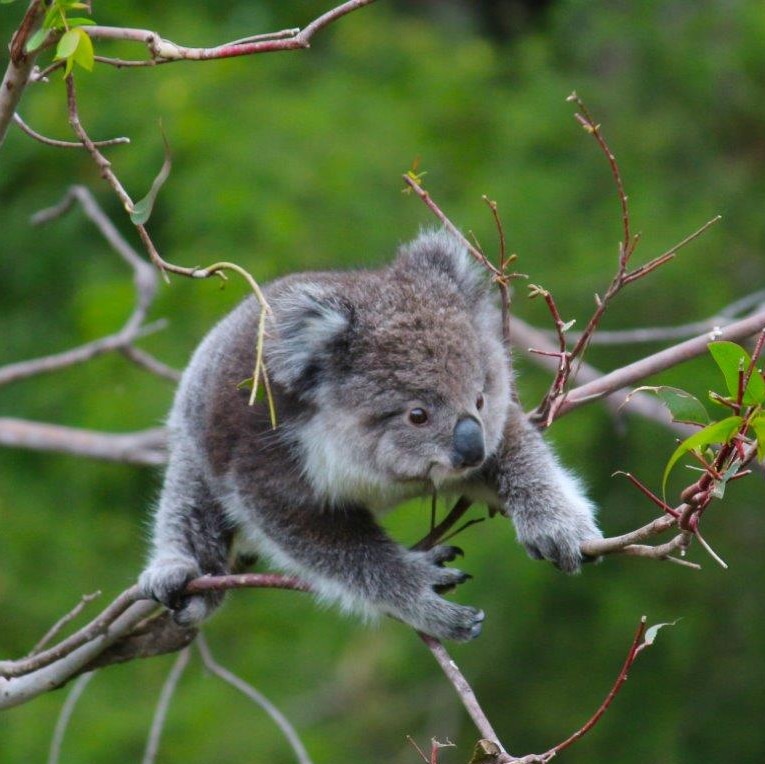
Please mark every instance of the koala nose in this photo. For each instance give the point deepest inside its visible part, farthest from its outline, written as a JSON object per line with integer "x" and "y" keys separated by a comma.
{"x": 468, "y": 443}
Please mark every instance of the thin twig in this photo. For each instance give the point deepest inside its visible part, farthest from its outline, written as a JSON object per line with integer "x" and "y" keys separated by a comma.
{"x": 165, "y": 696}
{"x": 63, "y": 144}
{"x": 144, "y": 280}
{"x": 637, "y": 642}
{"x": 65, "y": 716}
{"x": 257, "y": 697}
{"x": 147, "y": 361}
{"x": 95, "y": 628}
{"x": 462, "y": 505}
{"x": 461, "y": 686}
{"x": 165, "y": 51}
{"x": 63, "y": 621}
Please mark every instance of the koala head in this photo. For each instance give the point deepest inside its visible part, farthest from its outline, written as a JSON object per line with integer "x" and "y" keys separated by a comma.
{"x": 402, "y": 374}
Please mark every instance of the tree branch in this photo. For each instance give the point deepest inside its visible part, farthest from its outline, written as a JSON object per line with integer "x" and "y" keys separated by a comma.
{"x": 665, "y": 359}
{"x": 19, "y": 70}
{"x": 144, "y": 447}
{"x": 256, "y": 697}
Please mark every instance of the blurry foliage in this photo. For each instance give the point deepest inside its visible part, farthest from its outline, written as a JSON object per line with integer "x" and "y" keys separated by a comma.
{"x": 292, "y": 161}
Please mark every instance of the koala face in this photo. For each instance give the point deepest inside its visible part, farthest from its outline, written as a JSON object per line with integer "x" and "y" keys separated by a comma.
{"x": 404, "y": 373}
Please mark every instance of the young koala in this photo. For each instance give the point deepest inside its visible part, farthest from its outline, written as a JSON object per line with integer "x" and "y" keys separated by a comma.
{"x": 387, "y": 383}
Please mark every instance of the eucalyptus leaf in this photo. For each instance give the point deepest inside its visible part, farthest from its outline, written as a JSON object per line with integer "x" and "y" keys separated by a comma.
{"x": 68, "y": 43}
{"x": 143, "y": 208}
{"x": 731, "y": 359}
{"x": 84, "y": 55}
{"x": 682, "y": 406}
{"x": 758, "y": 425}
{"x": 650, "y": 633}
{"x": 36, "y": 40}
{"x": 717, "y": 432}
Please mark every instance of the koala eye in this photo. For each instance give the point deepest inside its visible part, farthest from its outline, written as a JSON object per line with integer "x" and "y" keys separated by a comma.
{"x": 479, "y": 401}
{"x": 418, "y": 416}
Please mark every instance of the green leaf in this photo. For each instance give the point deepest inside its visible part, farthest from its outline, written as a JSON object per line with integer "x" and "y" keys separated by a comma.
{"x": 7, "y": 2}
{"x": 758, "y": 425}
{"x": 53, "y": 19}
{"x": 717, "y": 432}
{"x": 80, "y": 22}
{"x": 142, "y": 209}
{"x": 83, "y": 54}
{"x": 682, "y": 406}
{"x": 36, "y": 40}
{"x": 732, "y": 358}
{"x": 68, "y": 43}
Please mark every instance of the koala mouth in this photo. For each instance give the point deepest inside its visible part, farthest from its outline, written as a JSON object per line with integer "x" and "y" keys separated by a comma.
{"x": 439, "y": 473}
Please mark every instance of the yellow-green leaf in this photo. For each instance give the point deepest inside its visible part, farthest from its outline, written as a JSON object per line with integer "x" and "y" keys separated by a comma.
{"x": 68, "y": 43}
{"x": 758, "y": 425}
{"x": 36, "y": 40}
{"x": 83, "y": 54}
{"x": 732, "y": 359}
{"x": 717, "y": 432}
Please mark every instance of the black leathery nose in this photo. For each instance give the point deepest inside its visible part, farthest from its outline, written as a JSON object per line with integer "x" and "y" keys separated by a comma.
{"x": 468, "y": 443}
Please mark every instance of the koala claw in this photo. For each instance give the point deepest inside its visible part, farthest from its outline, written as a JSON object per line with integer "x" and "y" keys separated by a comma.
{"x": 471, "y": 623}
{"x": 457, "y": 579}
{"x": 440, "y": 554}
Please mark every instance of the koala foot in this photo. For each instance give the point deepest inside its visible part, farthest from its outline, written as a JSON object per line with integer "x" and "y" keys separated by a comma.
{"x": 165, "y": 581}
{"x": 431, "y": 613}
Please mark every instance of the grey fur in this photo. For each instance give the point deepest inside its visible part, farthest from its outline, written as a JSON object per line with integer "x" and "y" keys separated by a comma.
{"x": 349, "y": 356}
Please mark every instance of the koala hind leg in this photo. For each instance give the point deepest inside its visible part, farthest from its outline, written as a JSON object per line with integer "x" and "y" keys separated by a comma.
{"x": 192, "y": 538}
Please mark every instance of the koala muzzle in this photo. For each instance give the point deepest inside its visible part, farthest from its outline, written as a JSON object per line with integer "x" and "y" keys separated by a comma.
{"x": 469, "y": 450}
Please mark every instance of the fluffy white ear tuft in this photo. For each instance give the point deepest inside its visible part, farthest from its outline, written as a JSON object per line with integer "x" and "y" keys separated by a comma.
{"x": 439, "y": 252}
{"x": 308, "y": 322}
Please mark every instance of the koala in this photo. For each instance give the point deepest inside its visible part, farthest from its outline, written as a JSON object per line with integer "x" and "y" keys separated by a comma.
{"x": 388, "y": 384}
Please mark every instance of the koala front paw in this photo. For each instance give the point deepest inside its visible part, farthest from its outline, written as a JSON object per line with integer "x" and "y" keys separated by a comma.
{"x": 559, "y": 539}
{"x": 165, "y": 581}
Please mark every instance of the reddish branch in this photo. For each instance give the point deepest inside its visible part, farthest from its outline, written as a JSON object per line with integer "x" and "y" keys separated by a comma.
{"x": 637, "y": 645}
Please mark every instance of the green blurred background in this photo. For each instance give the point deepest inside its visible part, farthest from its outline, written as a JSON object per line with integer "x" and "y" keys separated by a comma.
{"x": 293, "y": 161}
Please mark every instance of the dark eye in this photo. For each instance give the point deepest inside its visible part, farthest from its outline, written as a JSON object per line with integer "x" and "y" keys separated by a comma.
{"x": 418, "y": 416}
{"x": 479, "y": 401}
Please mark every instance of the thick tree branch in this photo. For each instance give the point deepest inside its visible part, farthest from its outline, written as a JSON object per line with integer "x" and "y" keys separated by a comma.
{"x": 20, "y": 67}
{"x": 145, "y": 447}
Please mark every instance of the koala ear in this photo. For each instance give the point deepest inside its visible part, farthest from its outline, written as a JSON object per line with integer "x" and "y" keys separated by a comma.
{"x": 307, "y": 324}
{"x": 439, "y": 253}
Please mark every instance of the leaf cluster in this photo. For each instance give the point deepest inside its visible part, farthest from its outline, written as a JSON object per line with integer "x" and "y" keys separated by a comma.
{"x": 745, "y": 388}
{"x": 74, "y": 46}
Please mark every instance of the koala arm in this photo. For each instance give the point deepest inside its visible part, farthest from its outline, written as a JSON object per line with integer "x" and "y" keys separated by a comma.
{"x": 191, "y": 538}
{"x": 551, "y": 513}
